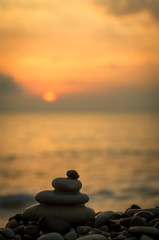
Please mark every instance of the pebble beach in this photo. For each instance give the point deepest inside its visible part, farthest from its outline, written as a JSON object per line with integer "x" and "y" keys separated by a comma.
{"x": 64, "y": 214}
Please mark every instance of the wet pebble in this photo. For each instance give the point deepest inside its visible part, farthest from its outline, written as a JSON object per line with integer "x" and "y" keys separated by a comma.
{"x": 12, "y": 224}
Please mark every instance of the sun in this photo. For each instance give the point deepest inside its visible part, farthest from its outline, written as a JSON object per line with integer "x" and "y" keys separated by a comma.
{"x": 49, "y": 96}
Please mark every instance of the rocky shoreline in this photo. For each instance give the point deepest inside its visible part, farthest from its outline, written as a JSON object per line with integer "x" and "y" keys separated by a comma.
{"x": 61, "y": 214}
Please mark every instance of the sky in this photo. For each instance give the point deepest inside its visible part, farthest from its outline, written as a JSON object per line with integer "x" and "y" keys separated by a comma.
{"x": 91, "y": 54}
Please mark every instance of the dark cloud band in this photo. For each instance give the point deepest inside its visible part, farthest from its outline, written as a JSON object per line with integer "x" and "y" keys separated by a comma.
{"x": 123, "y": 7}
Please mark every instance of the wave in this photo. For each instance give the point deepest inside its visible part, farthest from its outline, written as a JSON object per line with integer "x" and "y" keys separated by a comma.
{"x": 16, "y": 201}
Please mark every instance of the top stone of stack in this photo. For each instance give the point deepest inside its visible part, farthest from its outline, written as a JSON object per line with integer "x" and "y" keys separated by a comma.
{"x": 70, "y": 184}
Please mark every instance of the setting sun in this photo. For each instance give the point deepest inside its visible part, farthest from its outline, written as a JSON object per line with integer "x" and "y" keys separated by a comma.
{"x": 49, "y": 97}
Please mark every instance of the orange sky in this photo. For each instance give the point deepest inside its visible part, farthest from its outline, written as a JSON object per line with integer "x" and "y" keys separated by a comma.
{"x": 79, "y": 46}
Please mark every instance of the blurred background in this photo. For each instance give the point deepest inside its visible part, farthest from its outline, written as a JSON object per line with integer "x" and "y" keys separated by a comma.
{"x": 79, "y": 89}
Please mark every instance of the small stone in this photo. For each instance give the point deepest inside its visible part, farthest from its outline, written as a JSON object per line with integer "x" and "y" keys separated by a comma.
{"x": 144, "y": 230}
{"x": 19, "y": 230}
{"x": 133, "y": 211}
{"x": 18, "y": 237}
{"x": 31, "y": 230}
{"x": 59, "y": 197}
{"x": 104, "y": 228}
{"x": 92, "y": 237}
{"x": 27, "y": 237}
{"x": 54, "y": 224}
{"x": 153, "y": 222}
{"x": 125, "y": 221}
{"x": 145, "y": 237}
{"x": 126, "y": 233}
{"x": 156, "y": 225}
{"x": 7, "y": 232}
{"x": 51, "y": 236}
{"x": 12, "y": 224}
{"x": 71, "y": 235}
{"x": 120, "y": 237}
{"x": 67, "y": 184}
{"x": 145, "y": 214}
{"x": 137, "y": 221}
{"x": 72, "y": 174}
{"x": 83, "y": 229}
{"x": 96, "y": 231}
{"x": 19, "y": 217}
{"x": 115, "y": 227}
{"x": 101, "y": 218}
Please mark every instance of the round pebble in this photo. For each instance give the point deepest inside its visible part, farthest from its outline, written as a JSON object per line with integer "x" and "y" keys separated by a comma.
{"x": 71, "y": 235}
{"x": 101, "y": 218}
{"x": 7, "y": 232}
{"x": 92, "y": 237}
{"x": 145, "y": 214}
{"x": 72, "y": 174}
{"x": 51, "y": 236}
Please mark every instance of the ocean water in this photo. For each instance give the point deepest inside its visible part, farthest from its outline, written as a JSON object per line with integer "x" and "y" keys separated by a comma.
{"x": 116, "y": 155}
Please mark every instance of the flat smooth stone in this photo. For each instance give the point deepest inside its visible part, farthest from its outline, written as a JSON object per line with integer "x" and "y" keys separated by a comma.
{"x": 73, "y": 214}
{"x": 58, "y": 197}
{"x": 51, "y": 236}
{"x": 67, "y": 184}
{"x": 144, "y": 230}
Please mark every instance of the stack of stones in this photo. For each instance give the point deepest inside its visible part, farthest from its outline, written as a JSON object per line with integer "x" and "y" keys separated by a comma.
{"x": 65, "y": 202}
{"x": 62, "y": 215}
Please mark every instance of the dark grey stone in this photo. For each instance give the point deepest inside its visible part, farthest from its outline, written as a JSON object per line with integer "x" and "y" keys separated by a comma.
{"x": 137, "y": 221}
{"x": 54, "y": 224}
{"x": 145, "y": 214}
{"x": 51, "y": 236}
{"x": 31, "y": 230}
{"x": 144, "y": 230}
{"x": 7, "y": 232}
{"x": 101, "y": 218}
{"x": 72, "y": 174}
{"x": 12, "y": 224}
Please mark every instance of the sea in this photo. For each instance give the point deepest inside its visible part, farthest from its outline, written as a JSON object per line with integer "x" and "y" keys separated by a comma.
{"x": 115, "y": 154}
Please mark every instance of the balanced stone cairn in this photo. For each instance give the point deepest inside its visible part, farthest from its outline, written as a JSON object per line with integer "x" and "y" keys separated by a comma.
{"x": 65, "y": 202}
{"x": 62, "y": 215}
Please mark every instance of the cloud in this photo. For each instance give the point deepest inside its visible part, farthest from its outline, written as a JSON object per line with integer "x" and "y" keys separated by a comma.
{"x": 124, "y": 7}
{"x": 7, "y": 85}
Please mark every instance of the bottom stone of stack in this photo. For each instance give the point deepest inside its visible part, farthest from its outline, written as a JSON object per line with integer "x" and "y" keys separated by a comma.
{"x": 78, "y": 214}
